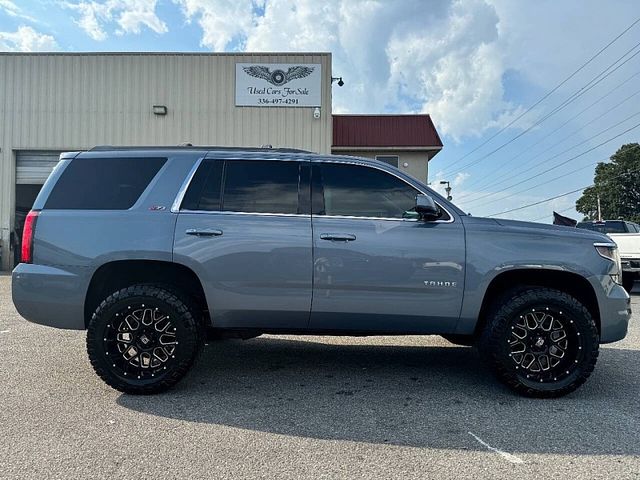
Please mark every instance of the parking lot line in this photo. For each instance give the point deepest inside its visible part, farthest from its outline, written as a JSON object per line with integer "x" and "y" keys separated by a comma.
{"x": 507, "y": 456}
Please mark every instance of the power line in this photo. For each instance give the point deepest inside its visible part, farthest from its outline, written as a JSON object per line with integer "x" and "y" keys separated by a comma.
{"x": 487, "y": 178}
{"x": 541, "y": 201}
{"x": 539, "y": 184}
{"x": 505, "y": 174}
{"x": 577, "y": 94}
{"x": 562, "y": 163}
{"x": 558, "y": 196}
{"x": 550, "y": 92}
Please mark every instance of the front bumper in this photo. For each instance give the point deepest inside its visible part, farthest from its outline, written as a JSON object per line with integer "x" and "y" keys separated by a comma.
{"x": 49, "y": 295}
{"x": 630, "y": 265}
{"x": 615, "y": 309}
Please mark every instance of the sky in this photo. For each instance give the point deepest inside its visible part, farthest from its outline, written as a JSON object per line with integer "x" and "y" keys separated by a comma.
{"x": 476, "y": 66}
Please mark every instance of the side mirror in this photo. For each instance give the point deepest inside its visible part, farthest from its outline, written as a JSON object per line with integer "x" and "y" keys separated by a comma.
{"x": 426, "y": 207}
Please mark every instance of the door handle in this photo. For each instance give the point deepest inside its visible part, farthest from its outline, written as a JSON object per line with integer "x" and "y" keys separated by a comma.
{"x": 338, "y": 237}
{"x": 205, "y": 232}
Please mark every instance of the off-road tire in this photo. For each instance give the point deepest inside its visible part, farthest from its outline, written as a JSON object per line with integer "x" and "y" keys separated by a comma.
{"x": 188, "y": 334}
{"x": 495, "y": 348}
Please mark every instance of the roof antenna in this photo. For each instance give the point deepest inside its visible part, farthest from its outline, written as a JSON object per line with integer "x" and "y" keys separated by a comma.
{"x": 185, "y": 144}
{"x": 266, "y": 146}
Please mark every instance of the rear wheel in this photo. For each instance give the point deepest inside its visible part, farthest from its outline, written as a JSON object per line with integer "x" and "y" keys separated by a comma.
{"x": 143, "y": 339}
{"x": 541, "y": 342}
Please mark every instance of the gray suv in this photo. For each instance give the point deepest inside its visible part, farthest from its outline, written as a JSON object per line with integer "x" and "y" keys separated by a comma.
{"x": 152, "y": 250}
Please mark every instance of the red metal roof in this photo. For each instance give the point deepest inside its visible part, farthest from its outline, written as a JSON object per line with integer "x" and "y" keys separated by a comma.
{"x": 384, "y": 131}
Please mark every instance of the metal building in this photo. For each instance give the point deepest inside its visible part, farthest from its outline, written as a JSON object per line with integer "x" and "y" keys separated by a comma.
{"x": 55, "y": 102}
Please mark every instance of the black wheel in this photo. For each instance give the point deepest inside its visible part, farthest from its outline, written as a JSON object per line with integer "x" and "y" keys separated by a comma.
{"x": 628, "y": 279}
{"x": 143, "y": 339}
{"x": 541, "y": 342}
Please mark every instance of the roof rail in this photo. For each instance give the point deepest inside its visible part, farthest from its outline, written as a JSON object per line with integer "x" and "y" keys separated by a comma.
{"x": 102, "y": 148}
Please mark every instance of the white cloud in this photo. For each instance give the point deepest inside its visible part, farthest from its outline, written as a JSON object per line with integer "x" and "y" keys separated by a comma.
{"x": 10, "y": 8}
{"x": 444, "y": 58}
{"x": 26, "y": 39}
{"x": 460, "y": 178}
{"x": 129, "y": 15}
{"x": 221, "y": 21}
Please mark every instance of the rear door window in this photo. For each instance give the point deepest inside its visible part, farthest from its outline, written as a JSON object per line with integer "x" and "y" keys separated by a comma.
{"x": 103, "y": 183}
{"x": 261, "y": 186}
{"x": 248, "y": 186}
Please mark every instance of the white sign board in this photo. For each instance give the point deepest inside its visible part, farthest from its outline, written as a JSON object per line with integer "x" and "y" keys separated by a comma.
{"x": 278, "y": 84}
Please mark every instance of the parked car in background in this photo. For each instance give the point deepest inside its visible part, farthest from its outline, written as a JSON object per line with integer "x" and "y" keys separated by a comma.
{"x": 627, "y": 237}
{"x": 149, "y": 249}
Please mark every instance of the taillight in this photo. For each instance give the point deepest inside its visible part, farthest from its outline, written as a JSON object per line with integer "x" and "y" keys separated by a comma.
{"x": 27, "y": 236}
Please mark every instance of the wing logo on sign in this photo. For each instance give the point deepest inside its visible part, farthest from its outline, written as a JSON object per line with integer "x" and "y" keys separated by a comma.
{"x": 278, "y": 77}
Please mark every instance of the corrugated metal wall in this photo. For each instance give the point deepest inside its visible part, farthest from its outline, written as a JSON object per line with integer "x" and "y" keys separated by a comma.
{"x": 76, "y": 101}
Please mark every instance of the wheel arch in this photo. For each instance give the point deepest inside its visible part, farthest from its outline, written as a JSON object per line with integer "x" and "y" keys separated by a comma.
{"x": 113, "y": 276}
{"x": 571, "y": 283}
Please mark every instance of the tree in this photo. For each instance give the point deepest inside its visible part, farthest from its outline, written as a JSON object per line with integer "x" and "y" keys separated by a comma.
{"x": 618, "y": 183}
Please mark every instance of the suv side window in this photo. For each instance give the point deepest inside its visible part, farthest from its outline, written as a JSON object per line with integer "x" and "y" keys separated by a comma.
{"x": 103, "y": 183}
{"x": 248, "y": 186}
{"x": 360, "y": 191}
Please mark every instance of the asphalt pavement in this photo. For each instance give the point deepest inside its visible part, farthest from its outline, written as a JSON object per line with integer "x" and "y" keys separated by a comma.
{"x": 309, "y": 407}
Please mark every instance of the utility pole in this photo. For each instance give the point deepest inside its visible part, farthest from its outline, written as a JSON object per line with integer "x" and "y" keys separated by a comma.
{"x": 599, "y": 210}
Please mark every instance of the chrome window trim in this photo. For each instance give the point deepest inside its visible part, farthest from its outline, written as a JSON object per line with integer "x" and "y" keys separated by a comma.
{"x": 361, "y": 164}
{"x": 258, "y": 214}
{"x": 175, "y": 208}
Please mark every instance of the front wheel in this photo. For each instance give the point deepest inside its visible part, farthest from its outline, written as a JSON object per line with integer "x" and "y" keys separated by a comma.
{"x": 143, "y": 339}
{"x": 541, "y": 342}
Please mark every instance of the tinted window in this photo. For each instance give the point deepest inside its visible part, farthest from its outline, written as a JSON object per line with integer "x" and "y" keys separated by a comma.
{"x": 608, "y": 226}
{"x": 261, "y": 186}
{"x": 352, "y": 190}
{"x": 103, "y": 183}
{"x": 615, "y": 227}
{"x": 205, "y": 187}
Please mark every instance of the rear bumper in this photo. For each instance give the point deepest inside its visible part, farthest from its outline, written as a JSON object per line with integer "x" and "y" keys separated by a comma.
{"x": 49, "y": 296}
{"x": 615, "y": 309}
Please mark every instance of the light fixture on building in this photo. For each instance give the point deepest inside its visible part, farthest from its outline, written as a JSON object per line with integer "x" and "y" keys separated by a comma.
{"x": 447, "y": 189}
{"x": 316, "y": 113}
{"x": 159, "y": 110}
{"x": 337, "y": 79}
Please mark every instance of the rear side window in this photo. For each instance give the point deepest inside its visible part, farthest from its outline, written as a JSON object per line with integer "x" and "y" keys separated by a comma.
{"x": 205, "y": 189}
{"x": 246, "y": 186}
{"x": 261, "y": 187}
{"x": 103, "y": 183}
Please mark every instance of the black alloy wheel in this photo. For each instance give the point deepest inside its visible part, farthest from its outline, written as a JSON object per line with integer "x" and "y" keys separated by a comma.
{"x": 541, "y": 342}
{"x": 143, "y": 339}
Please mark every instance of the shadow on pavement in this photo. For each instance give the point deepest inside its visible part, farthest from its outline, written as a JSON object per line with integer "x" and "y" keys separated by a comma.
{"x": 403, "y": 395}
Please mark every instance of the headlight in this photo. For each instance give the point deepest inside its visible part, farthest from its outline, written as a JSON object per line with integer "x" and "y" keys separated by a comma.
{"x": 610, "y": 252}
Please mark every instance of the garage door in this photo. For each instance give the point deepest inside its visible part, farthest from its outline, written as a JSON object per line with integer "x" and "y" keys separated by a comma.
{"x": 34, "y": 166}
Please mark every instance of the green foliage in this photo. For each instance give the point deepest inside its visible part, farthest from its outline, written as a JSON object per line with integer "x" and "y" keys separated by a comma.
{"x": 618, "y": 184}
